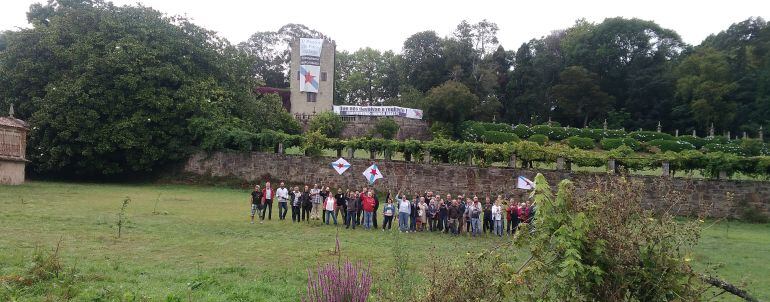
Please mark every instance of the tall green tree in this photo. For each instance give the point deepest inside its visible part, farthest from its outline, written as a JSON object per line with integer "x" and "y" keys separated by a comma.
{"x": 112, "y": 89}
{"x": 703, "y": 84}
{"x": 579, "y": 96}
{"x": 424, "y": 61}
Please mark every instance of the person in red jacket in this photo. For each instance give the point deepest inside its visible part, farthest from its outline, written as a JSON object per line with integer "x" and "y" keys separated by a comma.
{"x": 367, "y": 202}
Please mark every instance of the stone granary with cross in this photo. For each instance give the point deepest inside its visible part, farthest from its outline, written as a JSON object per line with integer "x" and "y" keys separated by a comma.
{"x": 13, "y": 144}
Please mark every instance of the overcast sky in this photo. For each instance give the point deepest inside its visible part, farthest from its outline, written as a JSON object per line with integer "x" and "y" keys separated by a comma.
{"x": 386, "y": 24}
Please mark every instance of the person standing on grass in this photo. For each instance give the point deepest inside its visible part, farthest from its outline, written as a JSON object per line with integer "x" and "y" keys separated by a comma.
{"x": 341, "y": 204}
{"x": 268, "y": 193}
{"x": 307, "y": 204}
{"x": 387, "y": 213}
{"x": 352, "y": 208}
{"x": 403, "y": 212}
{"x": 413, "y": 214}
{"x": 367, "y": 202}
{"x": 376, "y": 207}
{"x": 330, "y": 205}
{"x": 512, "y": 217}
{"x": 296, "y": 203}
{"x": 256, "y": 201}
{"x": 315, "y": 199}
{"x": 443, "y": 216}
{"x": 432, "y": 214}
{"x": 474, "y": 211}
{"x": 422, "y": 213}
{"x": 486, "y": 224}
{"x": 283, "y": 200}
{"x": 454, "y": 216}
{"x": 497, "y": 218}
{"x": 324, "y": 193}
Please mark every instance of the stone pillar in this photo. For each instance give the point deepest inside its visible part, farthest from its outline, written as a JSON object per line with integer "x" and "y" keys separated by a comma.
{"x": 388, "y": 154}
{"x": 676, "y": 133}
{"x": 351, "y": 153}
{"x": 711, "y": 130}
{"x": 694, "y": 133}
{"x": 561, "y": 163}
{"x": 512, "y": 161}
{"x": 280, "y": 148}
{"x": 426, "y": 156}
{"x": 744, "y": 135}
{"x": 722, "y": 175}
{"x": 666, "y": 169}
{"x": 469, "y": 160}
{"x": 339, "y": 152}
{"x": 659, "y": 127}
{"x": 728, "y": 134}
{"x": 611, "y": 165}
{"x": 372, "y": 154}
{"x": 605, "y": 125}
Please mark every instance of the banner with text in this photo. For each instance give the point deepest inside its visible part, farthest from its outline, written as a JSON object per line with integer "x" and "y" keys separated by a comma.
{"x": 379, "y": 111}
{"x": 309, "y": 64}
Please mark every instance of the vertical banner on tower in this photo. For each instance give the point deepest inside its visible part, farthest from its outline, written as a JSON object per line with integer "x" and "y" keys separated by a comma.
{"x": 309, "y": 64}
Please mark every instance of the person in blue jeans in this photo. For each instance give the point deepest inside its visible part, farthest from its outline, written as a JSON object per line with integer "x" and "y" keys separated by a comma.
{"x": 330, "y": 204}
{"x": 352, "y": 208}
{"x": 404, "y": 209}
{"x": 474, "y": 212}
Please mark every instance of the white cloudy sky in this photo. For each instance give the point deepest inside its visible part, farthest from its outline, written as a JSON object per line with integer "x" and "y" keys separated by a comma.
{"x": 386, "y": 24}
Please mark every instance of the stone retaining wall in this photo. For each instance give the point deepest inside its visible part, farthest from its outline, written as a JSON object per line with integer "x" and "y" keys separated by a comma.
{"x": 259, "y": 166}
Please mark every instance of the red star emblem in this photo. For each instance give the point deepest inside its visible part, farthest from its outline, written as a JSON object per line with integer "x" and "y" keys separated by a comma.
{"x": 374, "y": 172}
{"x": 309, "y": 77}
{"x": 340, "y": 166}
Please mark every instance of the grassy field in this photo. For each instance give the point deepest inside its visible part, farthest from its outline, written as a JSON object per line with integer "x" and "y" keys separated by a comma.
{"x": 187, "y": 243}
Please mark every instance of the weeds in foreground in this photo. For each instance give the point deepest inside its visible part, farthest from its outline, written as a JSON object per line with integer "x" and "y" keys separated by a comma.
{"x": 122, "y": 218}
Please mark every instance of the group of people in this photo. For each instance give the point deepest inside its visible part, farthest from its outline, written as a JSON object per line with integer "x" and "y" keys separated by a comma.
{"x": 422, "y": 212}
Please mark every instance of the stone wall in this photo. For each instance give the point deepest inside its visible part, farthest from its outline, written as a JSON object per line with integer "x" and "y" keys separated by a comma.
{"x": 358, "y": 126}
{"x": 11, "y": 171}
{"x": 257, "y": 166}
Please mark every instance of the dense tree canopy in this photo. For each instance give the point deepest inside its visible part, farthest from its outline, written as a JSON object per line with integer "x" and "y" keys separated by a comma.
{"x": 116, "y": 89}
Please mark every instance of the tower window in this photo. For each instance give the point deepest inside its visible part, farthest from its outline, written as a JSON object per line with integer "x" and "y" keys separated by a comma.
{"x": 323, "y": 76}
{"x": 311, "y": 96}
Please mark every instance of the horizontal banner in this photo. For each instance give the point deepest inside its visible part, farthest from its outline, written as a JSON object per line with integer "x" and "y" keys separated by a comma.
{"x": 379, "y": 111}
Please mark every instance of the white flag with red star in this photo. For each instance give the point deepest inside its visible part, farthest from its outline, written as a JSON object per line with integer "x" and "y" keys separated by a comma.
{"x": 341, "y": 165}
{"x": 372, "y": 173}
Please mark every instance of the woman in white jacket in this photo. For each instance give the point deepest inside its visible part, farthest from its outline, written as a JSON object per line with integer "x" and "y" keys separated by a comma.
{"x": 497, "y": 218}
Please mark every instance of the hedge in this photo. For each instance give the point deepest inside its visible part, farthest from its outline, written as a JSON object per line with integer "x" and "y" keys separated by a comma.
{"x": 522, "y": 131}
{"x": 497, "y": 137}
{"x": 581, "y": 142}
{"x": 646, "y": 136}
{"x": 669, "y": 145}
{"x": 540, "y": 139}
{"x": 612, "y": 143}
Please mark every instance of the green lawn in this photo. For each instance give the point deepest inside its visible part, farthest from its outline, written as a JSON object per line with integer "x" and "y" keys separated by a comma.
{"x": 198, "y": 246}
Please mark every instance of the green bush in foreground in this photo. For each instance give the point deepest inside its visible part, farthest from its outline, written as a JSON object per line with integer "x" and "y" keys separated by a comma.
{"x": 612, "y": 143}
{"x": 497, "y": 137}
{"x": 669, "y": 145}
{"x": 540, "y": 139}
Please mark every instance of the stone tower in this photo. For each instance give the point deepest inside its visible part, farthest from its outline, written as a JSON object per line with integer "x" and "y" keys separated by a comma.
{"x": 309, "y": 72}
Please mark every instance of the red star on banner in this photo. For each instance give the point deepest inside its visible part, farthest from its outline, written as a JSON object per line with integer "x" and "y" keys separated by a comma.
{"x": 374, "y": 172}
{"x": 309, "y": 77}
{"x": 340, "y": 165}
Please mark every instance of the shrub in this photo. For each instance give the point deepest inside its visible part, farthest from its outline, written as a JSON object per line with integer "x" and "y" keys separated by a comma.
{"x": 752, "y": 147}
{"x": 315, "y": 142}
{"x": 441, "y": 130}
{"x": 471, "y": 131}
{"x": 581, "y": 142}
{"x": 386, "y": 127}
{"x": 714, "y": 162}
{"x": 670, "y": 145}
{"x": 612, "y": 143}
{"x": 540, "y": 139}
{"x": 522, "y": 131}
{"x": 716, "y": 140}
{"x": 726, "y": 148}
{"x": 613, "y": 133}
{"x": 553, "y": 133}
{"x": 332, "y": 283}
{"x": 646, "y": 136}
{"x": 497, "y": 127}
{"x": 587, "y": 246}
{"x": 698, "y": 142}
{"x": 497, "y": 137}
{"x": 327, "y": 123}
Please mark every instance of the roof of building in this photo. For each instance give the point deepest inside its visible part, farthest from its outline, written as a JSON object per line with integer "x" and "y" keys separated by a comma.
{"x": 10, "y": 121}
